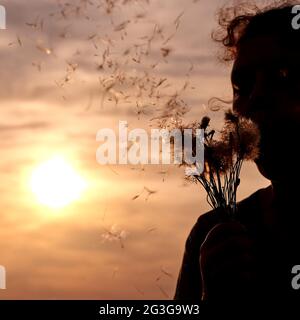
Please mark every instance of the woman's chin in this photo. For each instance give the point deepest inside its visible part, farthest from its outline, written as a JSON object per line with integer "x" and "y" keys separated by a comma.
{"x": 277, "y": 170}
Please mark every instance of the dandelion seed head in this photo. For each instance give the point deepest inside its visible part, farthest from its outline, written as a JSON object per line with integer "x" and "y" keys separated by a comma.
{"x": 242, "y": 135}
{"x": 204, "y": 123}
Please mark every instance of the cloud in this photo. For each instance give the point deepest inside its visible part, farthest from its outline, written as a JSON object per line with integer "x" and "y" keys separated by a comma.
{"x": 25, "y": 126}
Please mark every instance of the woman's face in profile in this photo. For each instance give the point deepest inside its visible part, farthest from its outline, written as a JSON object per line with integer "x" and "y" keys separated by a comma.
{"x": 266, "y": 86}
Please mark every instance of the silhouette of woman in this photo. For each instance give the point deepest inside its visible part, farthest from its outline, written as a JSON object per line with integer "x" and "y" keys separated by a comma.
{"x": 255, "y": 256}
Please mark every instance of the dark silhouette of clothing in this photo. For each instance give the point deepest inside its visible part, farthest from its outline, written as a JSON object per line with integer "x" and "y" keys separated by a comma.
{"x": 276, "y": 253}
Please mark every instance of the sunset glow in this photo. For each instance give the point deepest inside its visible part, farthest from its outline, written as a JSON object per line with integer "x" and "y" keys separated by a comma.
{"x": 56, "y": 184}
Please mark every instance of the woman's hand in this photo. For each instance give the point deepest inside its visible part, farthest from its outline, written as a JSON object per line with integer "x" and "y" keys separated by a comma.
{"x": 227, "y": 262}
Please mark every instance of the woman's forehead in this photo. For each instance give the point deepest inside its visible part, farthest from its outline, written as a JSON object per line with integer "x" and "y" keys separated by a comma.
{"x": 265, "y": 51}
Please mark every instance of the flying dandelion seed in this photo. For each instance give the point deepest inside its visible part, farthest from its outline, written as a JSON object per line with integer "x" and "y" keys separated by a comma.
{"x": 19, "y": 41}
{"x": 115, "y": 234}
{"x": 151, "y": 229}
{"x": 38, "y": 65}
{"x": 177, "y": 20}
{"x": 165, "y": 52}
{"x": 37, "y": 25}
{"x": 147, "y": 86}
{"x": 44, "y": 49}
{"x": 148, "y": 191}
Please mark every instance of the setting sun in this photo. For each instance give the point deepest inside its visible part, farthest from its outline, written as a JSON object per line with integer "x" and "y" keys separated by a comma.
{"x": 56, "y": 184}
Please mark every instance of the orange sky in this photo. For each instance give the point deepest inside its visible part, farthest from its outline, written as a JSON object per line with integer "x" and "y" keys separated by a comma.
{"x": 61, "y": 254}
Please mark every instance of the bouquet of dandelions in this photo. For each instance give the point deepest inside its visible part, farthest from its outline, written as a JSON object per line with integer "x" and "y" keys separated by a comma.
{"x": 223, "y": 159}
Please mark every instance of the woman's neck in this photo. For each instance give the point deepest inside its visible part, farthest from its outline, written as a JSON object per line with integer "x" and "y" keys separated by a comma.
{"x": 286, "y": 202}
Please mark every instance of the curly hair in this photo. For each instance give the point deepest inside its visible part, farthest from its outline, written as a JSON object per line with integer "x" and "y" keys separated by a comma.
{"x": 240, "y": 22}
